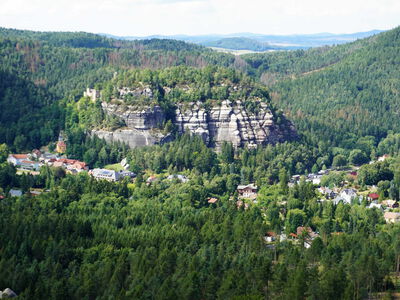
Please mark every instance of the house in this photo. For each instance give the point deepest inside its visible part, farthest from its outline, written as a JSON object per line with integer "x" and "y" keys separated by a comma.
{"x": 327, "y": 192}
{"x": 392, "y": 217}
{"x": 110, "y": 175}
{"x": 151, "y": 179}
{"x": 373, "y": 196}
{"x": 309, "y": 232}
{"x": 72, "y": 165}
{"x": 338, "y": 199}
{"x": 314, "y": 178}
{"x": 348, "y": 195}
{"x": 212, "y": 200}
{"x": 105, "y": 174}
{"x": 247, "y": 191}
{"x": 181, "y": 178}
{"x": 383, "y": 157}
{"x": 375, "y": 205}
{"x": 300, "y": 230}
{"x": 323, "y": 172}
{"x": 15, "y": 159}
{"x": 15, "y": 193}
{"x": 30, "y": 165}
{"x": 48, "y": 157}
{"x": 270, "y": 237}
{"x": 61, "y": 147}
{"x": 295, "y": 178}
{"x": 122, "y": 174}
{"x": 36, "y": 154}
{"x": 390, "y": 203}
{"x": 35, "y": 192}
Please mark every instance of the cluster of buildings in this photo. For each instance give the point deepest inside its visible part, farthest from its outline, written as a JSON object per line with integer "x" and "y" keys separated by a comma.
{"x": 35, "y": 160}
{"x": 306, "y": 233}
{"x": 315, "y": 178}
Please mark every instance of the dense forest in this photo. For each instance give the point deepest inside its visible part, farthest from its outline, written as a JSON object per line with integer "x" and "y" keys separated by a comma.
{"x": 352, "y": 89}
{"x": 83, "y": 238}
{"x": 94, "y": 239}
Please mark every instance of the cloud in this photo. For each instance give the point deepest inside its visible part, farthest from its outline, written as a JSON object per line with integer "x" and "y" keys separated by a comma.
{"x": 146, "y": 17}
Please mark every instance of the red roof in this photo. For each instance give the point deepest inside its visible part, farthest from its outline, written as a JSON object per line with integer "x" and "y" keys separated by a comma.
{"x": 212, "y": 200}
{"x": 20, "y": 156}
{"x": 301, "y": 229}
{"x": 373, "y": 196}
{"x": 27, "y": 162}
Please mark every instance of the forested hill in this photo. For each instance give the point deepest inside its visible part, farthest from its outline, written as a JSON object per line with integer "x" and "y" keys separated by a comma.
{"x": 90, "y": 40}
{"x": 64, "y": 61}
{"x": 63, "y": 64}
{"x": 339, "y": 94}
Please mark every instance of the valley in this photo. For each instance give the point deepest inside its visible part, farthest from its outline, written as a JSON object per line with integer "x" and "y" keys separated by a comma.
{"x": 160, "y": 169}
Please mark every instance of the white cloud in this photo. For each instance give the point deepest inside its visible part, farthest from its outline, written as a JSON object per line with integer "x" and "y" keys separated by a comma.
{"x": 145, "y": 17}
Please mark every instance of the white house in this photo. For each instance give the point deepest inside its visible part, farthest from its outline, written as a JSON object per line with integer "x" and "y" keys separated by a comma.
{"x": 105, "y": 174}
{"x": 375, "y": 205}
{"x": 348, "y": 195}
{"x": 16, "y": 159}
{"x": 247, "y": 191}
{"x": 15, "y": 193}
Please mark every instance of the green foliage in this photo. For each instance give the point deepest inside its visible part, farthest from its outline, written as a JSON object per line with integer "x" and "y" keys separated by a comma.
{"x": 357, "y": 157}
{"x": 337, "y": 94}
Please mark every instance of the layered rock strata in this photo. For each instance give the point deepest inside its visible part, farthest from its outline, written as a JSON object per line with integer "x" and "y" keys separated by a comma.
{"x": 229, "y": 122}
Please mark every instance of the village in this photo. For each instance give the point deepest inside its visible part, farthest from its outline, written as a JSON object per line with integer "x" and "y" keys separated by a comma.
{"x": 246, "y": 194}
{"x": 32, "y": 162}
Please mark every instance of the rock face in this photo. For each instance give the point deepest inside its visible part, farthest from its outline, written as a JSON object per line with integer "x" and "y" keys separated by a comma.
{"x": 132, "y": 137}
{"x": 229, "y": 122}
{"x": 232, "y": 123}
{"x": 145, "y": 119}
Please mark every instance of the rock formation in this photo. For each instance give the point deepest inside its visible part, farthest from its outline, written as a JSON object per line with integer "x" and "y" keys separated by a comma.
{"x": 232, "y": 123}
{"x": 229, "y": 122}
{"x": 143, "y": 119}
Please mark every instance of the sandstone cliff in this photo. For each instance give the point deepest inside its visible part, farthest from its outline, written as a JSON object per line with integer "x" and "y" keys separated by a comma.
{"x": 229, "y": 121}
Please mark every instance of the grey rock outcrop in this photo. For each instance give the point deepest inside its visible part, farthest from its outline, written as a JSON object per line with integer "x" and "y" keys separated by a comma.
{"x": 143, "y": 119}
{"x": 229, "y": 122}
{"x": 232, "y": 123}
{"x": 7, "y": 293}
{"x": 132, "y": 137}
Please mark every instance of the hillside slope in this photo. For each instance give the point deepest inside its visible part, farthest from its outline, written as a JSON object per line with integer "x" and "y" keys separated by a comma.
{"x": 338, "y": 94}
{"x": 63, "y": 64}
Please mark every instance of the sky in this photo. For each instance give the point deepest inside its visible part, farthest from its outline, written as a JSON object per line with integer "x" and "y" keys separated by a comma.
{"x": 196, "y": 17}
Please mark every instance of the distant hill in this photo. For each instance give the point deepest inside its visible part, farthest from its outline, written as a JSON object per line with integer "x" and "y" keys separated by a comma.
{"x": 261, "y": 42}
{"x": 239, "y": 43}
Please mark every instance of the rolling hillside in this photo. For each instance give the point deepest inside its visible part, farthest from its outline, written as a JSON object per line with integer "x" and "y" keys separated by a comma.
{"x": 338, "y": 94}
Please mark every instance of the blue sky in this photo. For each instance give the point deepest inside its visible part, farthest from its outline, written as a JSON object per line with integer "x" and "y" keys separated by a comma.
{"x": 147, "y": 17}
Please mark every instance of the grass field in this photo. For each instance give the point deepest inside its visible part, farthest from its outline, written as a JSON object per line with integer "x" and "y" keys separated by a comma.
{"x": 115, "y": 167}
